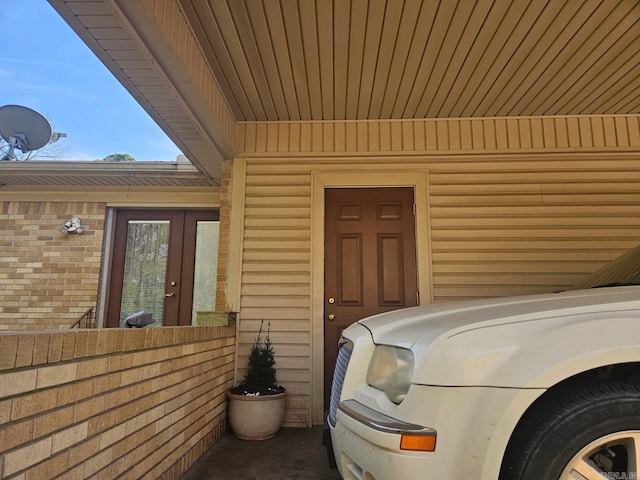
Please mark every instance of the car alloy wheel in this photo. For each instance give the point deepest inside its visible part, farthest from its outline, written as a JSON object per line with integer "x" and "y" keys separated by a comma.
{"x": 578, "y": 432}
{"x": 612, "y": 456}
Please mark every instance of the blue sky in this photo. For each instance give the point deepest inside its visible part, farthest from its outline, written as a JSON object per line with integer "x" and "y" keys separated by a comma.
{"x": 45, "y": 66}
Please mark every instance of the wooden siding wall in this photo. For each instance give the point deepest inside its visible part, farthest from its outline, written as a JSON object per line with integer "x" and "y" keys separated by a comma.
{"x": 510, "y": 222}
{"x": 276, "y": 277}
{"x": 474, "y": 135}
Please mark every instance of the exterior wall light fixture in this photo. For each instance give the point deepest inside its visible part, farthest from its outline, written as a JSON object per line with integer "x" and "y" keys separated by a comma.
{"x": 72, "y": 226}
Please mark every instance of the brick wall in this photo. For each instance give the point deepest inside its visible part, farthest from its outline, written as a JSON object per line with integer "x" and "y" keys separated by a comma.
{"x": 48, "y": 279}
{"x": 112, "y": 403}
{"x": 223, "y": 243}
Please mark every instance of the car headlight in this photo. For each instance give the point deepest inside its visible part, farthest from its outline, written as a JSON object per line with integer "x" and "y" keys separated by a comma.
{"x": 390, "y": 370}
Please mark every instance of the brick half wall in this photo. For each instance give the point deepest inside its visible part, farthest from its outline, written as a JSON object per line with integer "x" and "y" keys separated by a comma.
{"x": 113, "y": 403}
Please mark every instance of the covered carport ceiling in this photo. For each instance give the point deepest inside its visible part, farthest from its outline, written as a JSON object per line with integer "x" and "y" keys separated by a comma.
{"x": 373, "y": 59}
{"x": 308, "y": 60}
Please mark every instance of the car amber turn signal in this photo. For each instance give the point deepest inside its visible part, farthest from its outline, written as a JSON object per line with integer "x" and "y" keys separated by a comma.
{"x": 416, "y": 442}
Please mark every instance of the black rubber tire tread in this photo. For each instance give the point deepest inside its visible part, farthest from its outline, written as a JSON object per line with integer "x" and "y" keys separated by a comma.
{"x": 563, "y": 422}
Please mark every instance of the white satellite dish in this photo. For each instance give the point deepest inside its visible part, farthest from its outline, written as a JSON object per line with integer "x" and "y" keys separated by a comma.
{"x": 24, "y": 129}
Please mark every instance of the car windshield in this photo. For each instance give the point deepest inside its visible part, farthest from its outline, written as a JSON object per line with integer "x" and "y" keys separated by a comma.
{"x": 624, "y": 270}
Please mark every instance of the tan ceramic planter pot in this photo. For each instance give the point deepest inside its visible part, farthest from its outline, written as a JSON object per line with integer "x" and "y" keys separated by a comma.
{"x": 256, "y": 418}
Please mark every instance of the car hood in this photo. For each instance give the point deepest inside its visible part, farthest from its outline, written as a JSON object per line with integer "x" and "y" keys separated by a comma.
{"x": 423, "y": 325}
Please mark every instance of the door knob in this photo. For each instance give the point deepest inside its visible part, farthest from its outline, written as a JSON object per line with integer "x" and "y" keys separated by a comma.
{"x": 331, "y": 300}
{"x": 331, "y": 317}
{"x": 172, "y": 294}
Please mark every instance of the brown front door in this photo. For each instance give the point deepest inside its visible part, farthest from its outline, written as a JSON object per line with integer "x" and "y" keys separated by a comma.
{"x": 370, "y": 260}
{"x": 154, "y": 265}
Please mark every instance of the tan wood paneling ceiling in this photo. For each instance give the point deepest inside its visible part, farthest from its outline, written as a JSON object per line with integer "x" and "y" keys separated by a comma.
{"x": 393, "y": 59}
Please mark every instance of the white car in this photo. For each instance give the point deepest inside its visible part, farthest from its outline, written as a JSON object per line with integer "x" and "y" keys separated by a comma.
{"x": 531, "y": 388}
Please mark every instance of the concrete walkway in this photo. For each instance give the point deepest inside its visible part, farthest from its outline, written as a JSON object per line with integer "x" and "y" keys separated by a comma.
{"x": 294, "y": 454}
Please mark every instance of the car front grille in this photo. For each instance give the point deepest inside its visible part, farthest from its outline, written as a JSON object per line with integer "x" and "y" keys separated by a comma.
{"x": 344, "y": 355}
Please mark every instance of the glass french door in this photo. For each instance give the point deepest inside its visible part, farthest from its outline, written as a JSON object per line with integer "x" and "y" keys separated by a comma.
{"x": 164, "y": 267}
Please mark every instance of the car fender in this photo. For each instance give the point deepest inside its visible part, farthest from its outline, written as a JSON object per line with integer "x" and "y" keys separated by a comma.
{"x": 504, "y": 428}
{"x": 521, "y": 402}
{"x": 553, "y": 375}
{"x": 535, "y": 354}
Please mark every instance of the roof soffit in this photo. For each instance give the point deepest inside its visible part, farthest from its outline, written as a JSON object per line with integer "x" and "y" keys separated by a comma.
{"x": 389, "y": 59}
{"x": 142, "y": 59}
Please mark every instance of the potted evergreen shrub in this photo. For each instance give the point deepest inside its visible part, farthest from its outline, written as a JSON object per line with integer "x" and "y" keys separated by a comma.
{"x": 256, "y": 406}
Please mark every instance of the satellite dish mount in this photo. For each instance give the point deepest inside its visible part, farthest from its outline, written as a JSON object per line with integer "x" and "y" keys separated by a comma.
{"x": 23, "y": 129}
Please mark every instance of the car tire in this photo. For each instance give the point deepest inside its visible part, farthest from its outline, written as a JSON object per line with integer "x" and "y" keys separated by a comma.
{"x": 593, "y": 429}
